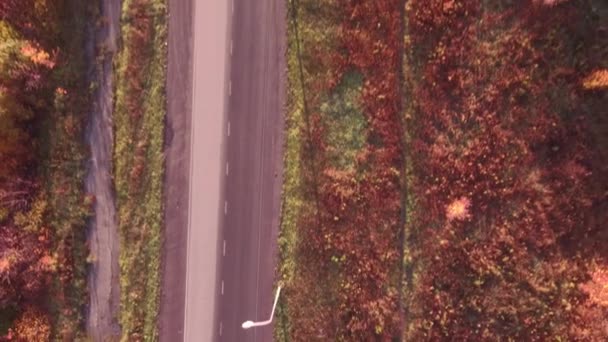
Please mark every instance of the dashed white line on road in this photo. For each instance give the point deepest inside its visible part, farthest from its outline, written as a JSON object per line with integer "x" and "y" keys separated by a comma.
{"x": 222, "y": 287}
{"x": 227, "y": 168}
{"x": 228, "y": 129}
{"x": 230, "y": 88}
{"x": 221, "y": 328}
{"x": 231, "y": 47}
{"x": 225, "y": 207}
{"x": 224, "y": 249}
{"x": 232, "y": 7}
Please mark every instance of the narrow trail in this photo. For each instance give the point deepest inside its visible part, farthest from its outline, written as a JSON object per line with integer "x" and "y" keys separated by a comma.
{"x": 102, "y": 236}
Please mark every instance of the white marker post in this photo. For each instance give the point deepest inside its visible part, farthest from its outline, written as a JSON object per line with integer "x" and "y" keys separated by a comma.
{"x": 250, "y": 324}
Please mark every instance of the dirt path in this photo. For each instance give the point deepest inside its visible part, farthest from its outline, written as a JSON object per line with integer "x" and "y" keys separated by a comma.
{"x": 103, "y": 240}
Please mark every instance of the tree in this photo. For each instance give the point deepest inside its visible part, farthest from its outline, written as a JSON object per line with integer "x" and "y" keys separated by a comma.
{"x": 34, "y": 19}
{"x": 23, "y": 69}
{"x": 15, "y": 151}
{"x": 33, "y": 325}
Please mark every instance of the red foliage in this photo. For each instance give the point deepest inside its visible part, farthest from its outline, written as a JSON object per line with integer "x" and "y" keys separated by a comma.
{"x": 24, "y": 269}
{"x": 486, "y": 130}
{"x": 505, "y": 205}
{"x": 137, "y": 40}
{"x": 354, "y": 242}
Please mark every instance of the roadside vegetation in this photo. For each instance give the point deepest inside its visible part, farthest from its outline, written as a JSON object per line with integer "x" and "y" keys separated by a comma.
{"x": 341, "y": 226}
{"x": 138, "y": 159}
{"x": 43, "y": 208}
{"x": 445, "y": 171}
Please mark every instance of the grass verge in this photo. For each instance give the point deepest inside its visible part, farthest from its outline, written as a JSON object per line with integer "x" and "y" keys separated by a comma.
{"x": 139, "y": 124}
{"x": 292, "y": 196}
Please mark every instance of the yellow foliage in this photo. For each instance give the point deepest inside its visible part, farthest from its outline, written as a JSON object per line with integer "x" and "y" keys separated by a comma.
{"x": 597, "y": 80}
{"x": 33, "y": 220}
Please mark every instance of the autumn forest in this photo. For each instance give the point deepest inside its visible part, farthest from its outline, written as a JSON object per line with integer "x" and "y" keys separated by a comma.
{"x": 43, "y": 206}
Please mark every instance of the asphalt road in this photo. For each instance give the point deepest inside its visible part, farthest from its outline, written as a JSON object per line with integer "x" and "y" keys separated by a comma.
{"x": 208, "y": 129}
{"x": 253, "y": 168}
{"x": 234, "y": 167}
{"x": 176, "y": 184}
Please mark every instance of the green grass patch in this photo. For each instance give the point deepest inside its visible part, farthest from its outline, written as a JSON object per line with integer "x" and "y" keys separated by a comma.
{"x": 7, "y": 316}
{"x": 410, "y": 269}
{"x": 346, "y": 126}
{"x": 140, "y": 106}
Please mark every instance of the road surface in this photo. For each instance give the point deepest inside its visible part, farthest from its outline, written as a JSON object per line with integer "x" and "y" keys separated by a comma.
{"x": 252, "y": 169}
{"x": 206, "y": 144}
{"x": 177, "y": 170}
{"x": 226, "y": 171}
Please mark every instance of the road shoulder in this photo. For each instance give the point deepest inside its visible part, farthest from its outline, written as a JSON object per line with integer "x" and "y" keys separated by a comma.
{"x": 177, "y": 165}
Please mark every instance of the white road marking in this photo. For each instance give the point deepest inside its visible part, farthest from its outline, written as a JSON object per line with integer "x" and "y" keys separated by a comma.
{"x": 224, "y": 249}
{"x": 228, "y": 133}
{"x": 222, "y": 287}
{"x": 232, "y": 7}
{"x": 231, "y": 47}
{"x": 230, "y": 88}
{"x": 225, "y": 207}
{"x": 221, "y": 328}
{"x": 227, "y": 168}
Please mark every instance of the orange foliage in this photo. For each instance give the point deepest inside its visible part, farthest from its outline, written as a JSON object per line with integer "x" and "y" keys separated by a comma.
{"x": 37, "y": 55}
{"x": 597, "y": 287}
{"x": 32, "y": 325}
{"x": 597, "y": 80}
